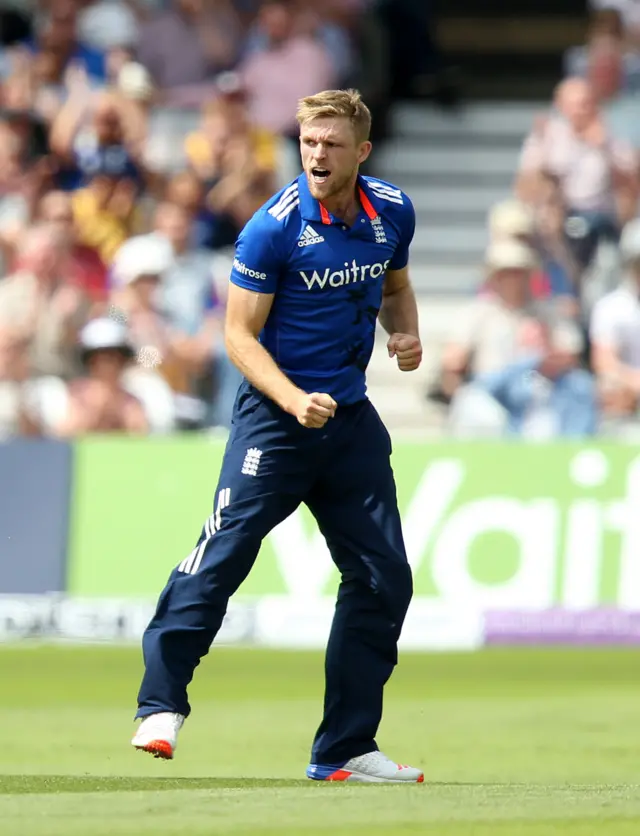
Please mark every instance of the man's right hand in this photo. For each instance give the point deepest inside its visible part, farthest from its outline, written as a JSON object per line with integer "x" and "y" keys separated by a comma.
{"x": 314, "y": 410}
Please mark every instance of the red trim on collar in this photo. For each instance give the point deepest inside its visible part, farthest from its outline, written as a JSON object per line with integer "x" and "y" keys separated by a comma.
{"x": 366, "y": 205}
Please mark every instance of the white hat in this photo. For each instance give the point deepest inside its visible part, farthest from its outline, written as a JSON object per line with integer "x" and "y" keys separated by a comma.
{"x": 142, "y": 255}
{"x": 630, "y": 241}
{"x": 510, "y": 218}
{"x": 134, "y": 81}
{"x": 107, "y": 25}
{"x": 105, "y": 333}
{"x": 510, "y": 255}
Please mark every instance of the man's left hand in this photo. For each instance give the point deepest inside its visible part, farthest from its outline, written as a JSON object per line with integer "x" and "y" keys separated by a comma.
{"x": 407, "y": 350}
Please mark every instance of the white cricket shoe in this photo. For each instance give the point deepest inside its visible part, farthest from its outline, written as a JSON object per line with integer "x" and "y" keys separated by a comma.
{"x": 158, "y": 734}
{"x": 372, "y": 768}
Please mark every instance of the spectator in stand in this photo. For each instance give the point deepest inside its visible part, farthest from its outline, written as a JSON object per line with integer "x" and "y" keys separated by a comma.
{"x": 598, "y": 174}
{"x": 324, "y": 24}
{"x": 57, "y": 38}
{"x": 136, "y": 273}
{"x": 39, "y": 308}
{"x": 494, "y": 329}
{"x": 86, "y": 269}
{"x": 186, "y": 294}
{"x": 235, "y": 160}
{"x": 188, "y": 43}
{"x": 629, "y": 11}
{"x": 615, "y": 338}
{"x": 96, "y": 132}
{"x": 508, "y": 368}
{"x": 188, "y": 191}
{"x": 620, "y": 107}
{"x": 543, "y": 396}
{"x": 165, "y": 353}
{"x": 98, "y": 401}
{"x": 194, "y": 310}
{"x": 134, "y": 88}
{"x": 542, "y": 229}
{"x": 560, "y": 279}
{"x": 605, "y": 24}
{"x": 287, "y": 67}
{"x": 105, "y": 214}
{"x": 226, "y": 119}
{"x": 25, "y": 164}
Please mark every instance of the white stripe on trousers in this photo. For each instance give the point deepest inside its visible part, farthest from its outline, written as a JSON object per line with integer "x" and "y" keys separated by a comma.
{"x": 191, "y": 564}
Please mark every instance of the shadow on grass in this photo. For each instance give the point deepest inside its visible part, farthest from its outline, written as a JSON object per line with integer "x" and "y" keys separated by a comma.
{"x": 26, "y": 784}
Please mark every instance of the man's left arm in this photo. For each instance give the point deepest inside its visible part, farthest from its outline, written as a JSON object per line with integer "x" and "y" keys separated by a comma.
{"x": 399, "y": 318}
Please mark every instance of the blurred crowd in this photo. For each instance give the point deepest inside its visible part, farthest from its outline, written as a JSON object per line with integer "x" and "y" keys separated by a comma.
{"x": 550, "y": 347}
{"x": 137, "y": 137}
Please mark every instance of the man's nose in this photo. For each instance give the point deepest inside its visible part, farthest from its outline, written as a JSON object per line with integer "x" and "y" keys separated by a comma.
{"x": 320, "y": 151}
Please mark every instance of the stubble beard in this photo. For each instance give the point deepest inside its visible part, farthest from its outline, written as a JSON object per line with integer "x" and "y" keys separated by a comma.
{"x": 334, "y": 189}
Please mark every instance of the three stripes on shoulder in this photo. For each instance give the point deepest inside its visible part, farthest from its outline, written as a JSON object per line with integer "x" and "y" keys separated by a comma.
{"x": 287, "y": 203}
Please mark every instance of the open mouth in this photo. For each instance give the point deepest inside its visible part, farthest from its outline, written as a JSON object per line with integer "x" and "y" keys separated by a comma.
{"x": 320, "y": 175}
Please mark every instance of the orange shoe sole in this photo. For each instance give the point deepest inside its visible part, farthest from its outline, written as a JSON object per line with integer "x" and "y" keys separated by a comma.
{"x": 158, "y": 748}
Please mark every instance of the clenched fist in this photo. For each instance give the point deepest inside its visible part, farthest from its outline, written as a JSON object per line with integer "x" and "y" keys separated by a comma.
{"x": 314, "y": 410}
{"x": 407, "y": 350}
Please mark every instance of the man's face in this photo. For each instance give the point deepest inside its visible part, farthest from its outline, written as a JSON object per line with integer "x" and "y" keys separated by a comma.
{"x": 512, "y": 285}
{"x": 578, "y": 105}
{"x": 45, "y": 260}
{"x": 56, "y": 208}
{"x": 107, "y": 125}
{"x": 107, "y": 364}
{"x": 174, "y": 223}
{"x": 276, "y": 22}
{"x": 331, "y": 155}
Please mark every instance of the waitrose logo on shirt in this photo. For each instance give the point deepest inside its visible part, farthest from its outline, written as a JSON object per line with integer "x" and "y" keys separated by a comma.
{"x": 352, "y": 273}
{"x": 247, "y": 271}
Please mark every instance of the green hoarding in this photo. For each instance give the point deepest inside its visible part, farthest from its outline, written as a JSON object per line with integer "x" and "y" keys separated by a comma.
{"x": 486, "y": 524}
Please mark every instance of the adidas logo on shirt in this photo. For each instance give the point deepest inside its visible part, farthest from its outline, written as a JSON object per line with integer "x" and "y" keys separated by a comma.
{"x": 309, "y": 236}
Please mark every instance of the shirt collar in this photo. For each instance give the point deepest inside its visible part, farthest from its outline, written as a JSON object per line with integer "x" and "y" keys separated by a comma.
{"x": 312, "y": 210}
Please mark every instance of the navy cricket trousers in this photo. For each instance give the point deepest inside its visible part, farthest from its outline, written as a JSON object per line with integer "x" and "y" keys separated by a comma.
{"x": 343, "y": 473}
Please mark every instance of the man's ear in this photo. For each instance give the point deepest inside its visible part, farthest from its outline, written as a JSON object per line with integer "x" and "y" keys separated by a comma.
{"x": 364, "y": 151}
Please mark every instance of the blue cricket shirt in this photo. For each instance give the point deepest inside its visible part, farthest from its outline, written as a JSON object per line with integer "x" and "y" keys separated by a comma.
{"x": 326, "y": 279}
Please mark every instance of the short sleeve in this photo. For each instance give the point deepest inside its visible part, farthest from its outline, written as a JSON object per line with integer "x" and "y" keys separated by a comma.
{"x": 604, "y": 326}
{"x": 407, "y": 230}
{"x": 624, "y": 157}
{"x": 258, "y": 262}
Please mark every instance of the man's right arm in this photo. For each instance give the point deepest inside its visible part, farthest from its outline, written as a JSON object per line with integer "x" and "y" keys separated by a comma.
{"x": 257, "y": 269}
{"x": 247, "y": 313}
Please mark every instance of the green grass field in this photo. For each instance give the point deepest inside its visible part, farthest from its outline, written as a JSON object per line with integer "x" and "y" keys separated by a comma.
{"x": 513, "y": 743}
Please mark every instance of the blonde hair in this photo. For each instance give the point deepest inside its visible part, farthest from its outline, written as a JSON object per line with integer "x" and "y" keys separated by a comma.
{"x": 343, "y": 104}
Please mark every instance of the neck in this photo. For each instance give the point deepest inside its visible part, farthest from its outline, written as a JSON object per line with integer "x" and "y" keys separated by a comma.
{"x": 108, "y": 381}
{"x": 344, "y": 203}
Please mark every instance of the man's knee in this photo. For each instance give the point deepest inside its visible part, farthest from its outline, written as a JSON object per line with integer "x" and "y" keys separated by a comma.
{"x": 398, "y": 589}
